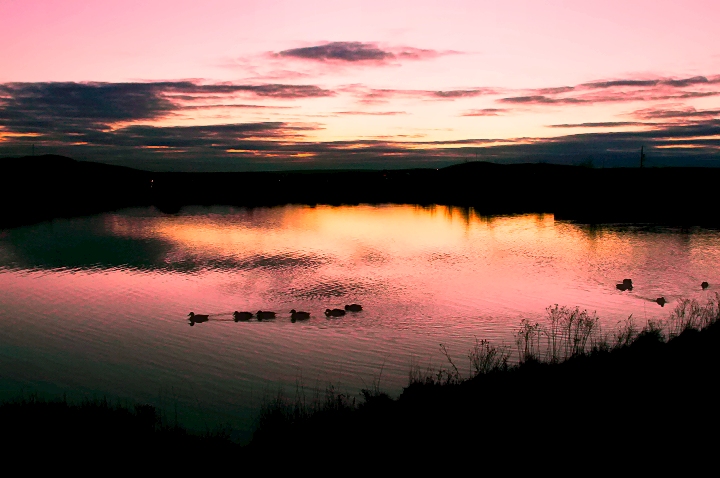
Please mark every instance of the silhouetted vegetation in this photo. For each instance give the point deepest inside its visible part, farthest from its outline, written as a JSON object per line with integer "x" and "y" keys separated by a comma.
{"x": 44, "y": 187}
{"x": 575, "y": 394}
{"x": 99, "y": 428}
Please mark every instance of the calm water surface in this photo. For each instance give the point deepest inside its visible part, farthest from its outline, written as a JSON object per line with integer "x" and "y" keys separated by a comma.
{"x": 97, "y": 306}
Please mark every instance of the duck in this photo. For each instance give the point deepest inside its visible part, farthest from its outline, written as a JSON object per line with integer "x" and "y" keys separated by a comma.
{"x": 197, "y": 318}
{"x": 661, "y": 301}
{"x": 238, "y": 316}
{"x": 704, "y": 285}
{"x": 299, "y": 315}
{"x": 334, "y": 312}
{"x": 353, "y": 307}
{"x": 265, "y": 314}
{"x": 626, "y": 285}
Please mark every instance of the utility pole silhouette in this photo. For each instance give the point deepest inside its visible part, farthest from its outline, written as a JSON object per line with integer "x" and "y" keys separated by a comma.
{"x": 642, "y": 157}
{"x": 33, "y": 149}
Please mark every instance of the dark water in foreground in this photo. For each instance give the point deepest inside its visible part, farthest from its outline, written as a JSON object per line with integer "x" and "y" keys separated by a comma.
{"x": 97, "y": 306}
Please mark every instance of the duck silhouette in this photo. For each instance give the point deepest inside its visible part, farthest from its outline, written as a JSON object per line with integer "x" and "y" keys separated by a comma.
{"x": 197, "y": 318}
{"x": 299, "y": 315}
{"x": 661, "y": 301}
{"x": 334, "y": 312}
{"x": 242, "y": 316}
{"x": 353, "y": 308}
{"x": 265, "y": 314}
{"x": 626, "y": 285}
{"x": 704, "y": 285}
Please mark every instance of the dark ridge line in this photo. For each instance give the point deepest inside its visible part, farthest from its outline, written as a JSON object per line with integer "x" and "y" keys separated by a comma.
{"x": 45, "y": 187}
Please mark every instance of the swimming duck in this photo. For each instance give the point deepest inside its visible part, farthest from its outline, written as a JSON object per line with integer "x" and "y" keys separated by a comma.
{"x": 704, "y": 285}
{"x": 353, "y": 307}
{"x": 299, "y": 315}
{"x": 197, "y": 318}
{"x": 334, "y": 312}
{"x": 238, "y": 316}
{"x": 661, "y": 301}
{"x": 264, "y": 314}
{"x": 626, "y": 285}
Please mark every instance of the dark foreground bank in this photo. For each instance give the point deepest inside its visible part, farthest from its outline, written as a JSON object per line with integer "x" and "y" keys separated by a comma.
{"x": 641, "y": 397}
{"x": 98, "y": 428}
{"x": 575, "y": 397}
{"x": 45, "y": 187}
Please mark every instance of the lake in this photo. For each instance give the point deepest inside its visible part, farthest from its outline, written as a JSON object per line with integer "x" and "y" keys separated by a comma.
{"x": 97, "y": 306}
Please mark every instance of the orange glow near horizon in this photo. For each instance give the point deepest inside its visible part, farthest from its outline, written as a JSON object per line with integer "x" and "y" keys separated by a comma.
{"x": 5, "y": 135}
{"x": 687, "y": 146}
{"x": 694, "y": 138}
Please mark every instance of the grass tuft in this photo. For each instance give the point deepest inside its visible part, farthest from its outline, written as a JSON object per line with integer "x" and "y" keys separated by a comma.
{"x": 486, "y": 358}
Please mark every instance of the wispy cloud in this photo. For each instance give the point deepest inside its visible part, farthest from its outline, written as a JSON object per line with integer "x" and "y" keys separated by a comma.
{"x": 371, "y": 113}
{"x": 675, "y": 83}
{"x": 212, "y": 106}
{"x": 554, "y": 91}
{"x": 620, "y": 97}
{"x": 339, "y": 51}
{"x": 268, "y": 90}
{"x": 469, "y": 93}
{"x": 327, "y": 59}
{"x": 376, "y": 95}
{"x": 619, "y": 91}
{"x": 688, "y": 113}
{"x": 486, "y": 112}
{"x": 359, "y": 52}
{"x": 76, "y": 107}
{"x": 606, "y": 124}
{"x": 541, "y": 99}
{"x": 615, "y": 83}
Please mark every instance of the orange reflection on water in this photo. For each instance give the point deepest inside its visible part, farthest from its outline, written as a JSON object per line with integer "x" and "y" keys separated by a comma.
{"x": 437, "y": 262}
{"x": 323, "y": 228}
{"x": 439, "y": 259}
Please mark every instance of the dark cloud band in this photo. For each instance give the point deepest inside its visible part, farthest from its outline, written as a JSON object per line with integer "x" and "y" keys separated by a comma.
{"x": 76, "y": 108}
{"x": 281, "y": 146}
{"x": 100, "y": 121}
{"x": 341, "y": 51}
{"x": 607, "y": 124}
{"x": 359, "y": 52}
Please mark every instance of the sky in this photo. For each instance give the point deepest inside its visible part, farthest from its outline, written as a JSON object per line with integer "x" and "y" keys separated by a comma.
{"x": 220, "y": 85}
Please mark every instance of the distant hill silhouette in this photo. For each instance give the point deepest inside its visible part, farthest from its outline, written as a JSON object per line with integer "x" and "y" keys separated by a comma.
{"x": 43, "y": 187}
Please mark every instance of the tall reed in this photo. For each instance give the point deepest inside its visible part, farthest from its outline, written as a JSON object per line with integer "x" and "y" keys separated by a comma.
{"x": 569, "y": 331}
{"x": 691, "y": 315}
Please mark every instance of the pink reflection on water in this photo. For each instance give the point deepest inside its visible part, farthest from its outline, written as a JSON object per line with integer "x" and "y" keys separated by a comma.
{"x": 419, "y": 268}
{"x": 423, "y": 275}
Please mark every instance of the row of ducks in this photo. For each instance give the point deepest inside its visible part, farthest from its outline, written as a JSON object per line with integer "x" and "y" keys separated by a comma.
{"x": 627, "y": 285}
{"x": 261, "y": 315}
{"x": 296, "y": 315}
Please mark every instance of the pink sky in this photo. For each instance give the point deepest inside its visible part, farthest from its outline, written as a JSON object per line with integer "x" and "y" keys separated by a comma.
{"x": 410, "y": 76}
